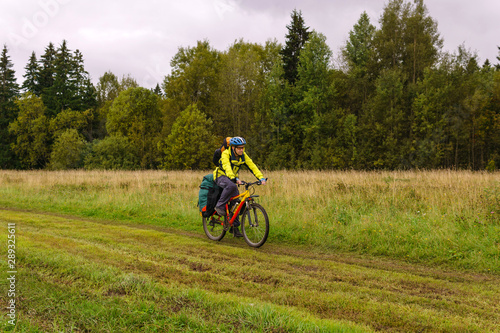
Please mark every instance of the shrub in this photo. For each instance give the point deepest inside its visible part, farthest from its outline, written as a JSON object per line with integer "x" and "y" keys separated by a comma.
{"x": 114, "y": 152}
{"x": 68, "y": 151}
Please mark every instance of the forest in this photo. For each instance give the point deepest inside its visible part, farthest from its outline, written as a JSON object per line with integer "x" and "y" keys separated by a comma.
{"x": 391, "y": 99}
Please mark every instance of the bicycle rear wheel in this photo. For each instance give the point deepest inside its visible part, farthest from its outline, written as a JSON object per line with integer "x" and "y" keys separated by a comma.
{"x": 255, "y": 225}
{"x": 214, "y": 227}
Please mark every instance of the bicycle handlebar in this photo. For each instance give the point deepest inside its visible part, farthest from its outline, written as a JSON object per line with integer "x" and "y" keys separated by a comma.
{"x": 247, "y": 185}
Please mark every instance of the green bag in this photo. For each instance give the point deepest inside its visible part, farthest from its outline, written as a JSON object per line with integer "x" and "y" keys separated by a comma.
{"x": 208, "y": 196}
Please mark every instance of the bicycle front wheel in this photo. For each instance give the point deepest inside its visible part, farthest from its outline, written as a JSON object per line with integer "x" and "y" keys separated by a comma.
{"x": 255, "y": 225}
{"x": 214, "y": 227}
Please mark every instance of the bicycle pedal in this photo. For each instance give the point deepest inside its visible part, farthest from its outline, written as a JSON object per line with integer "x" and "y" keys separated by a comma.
{"x": 225, "y": 225}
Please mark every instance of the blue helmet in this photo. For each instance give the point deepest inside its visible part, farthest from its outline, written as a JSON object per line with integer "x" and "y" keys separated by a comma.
{"x": 237, "y": 141}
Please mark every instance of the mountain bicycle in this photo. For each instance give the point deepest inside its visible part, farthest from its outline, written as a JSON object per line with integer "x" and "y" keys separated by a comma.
{"x": 254, "y": 220}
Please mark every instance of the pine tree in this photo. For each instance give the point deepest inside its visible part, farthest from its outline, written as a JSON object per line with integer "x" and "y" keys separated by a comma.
{"x": 315, "y": 111}
{"x": 8, "y": 85}
{"x": 47, "y": 67}
{"x": 32, "y": 76}
{"x": 157, "y": 90}
{"x": 46, "y": 79}
{"x": 63, "y": 81}
{"x": 9, "y": 89}
{"x": 85, "y": 94}
{"x": 296, "y": 38}
{"x": 63, "y": 90}
{"x": 497, "y": 66}
{"x": 77, "y": 81}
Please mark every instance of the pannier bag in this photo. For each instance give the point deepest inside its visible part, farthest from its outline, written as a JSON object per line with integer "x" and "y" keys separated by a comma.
{"x": 208, "y": 196}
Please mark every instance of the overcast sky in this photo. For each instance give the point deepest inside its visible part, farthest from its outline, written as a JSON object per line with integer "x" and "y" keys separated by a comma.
{"x": 141, "y": 37}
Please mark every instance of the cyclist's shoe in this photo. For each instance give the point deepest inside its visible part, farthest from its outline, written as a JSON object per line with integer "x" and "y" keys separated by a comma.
{"x": 221, "y": 211}
{"x": 236, "y": 232}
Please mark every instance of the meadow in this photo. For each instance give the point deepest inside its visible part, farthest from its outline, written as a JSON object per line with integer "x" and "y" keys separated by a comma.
{"x": 103, "y": 251}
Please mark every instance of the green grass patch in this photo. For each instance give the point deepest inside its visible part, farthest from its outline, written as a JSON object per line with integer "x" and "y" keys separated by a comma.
{"x": 89, "y": 275}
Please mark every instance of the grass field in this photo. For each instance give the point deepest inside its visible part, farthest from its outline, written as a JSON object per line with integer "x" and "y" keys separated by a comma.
{"x": 347, "y": 252}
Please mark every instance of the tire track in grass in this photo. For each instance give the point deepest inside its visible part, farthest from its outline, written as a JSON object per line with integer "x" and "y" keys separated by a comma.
{"x": 385, "y": 295}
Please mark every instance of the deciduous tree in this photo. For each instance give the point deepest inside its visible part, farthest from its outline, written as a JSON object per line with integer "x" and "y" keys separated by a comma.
{"x": 31, "y": 133}
{"x": 114, "y": 152}
{"x": 190, "y": 144}
{"x": 135, "y": 114}
{"x": 192, "y": 81}
{"x": 68, "y": 151}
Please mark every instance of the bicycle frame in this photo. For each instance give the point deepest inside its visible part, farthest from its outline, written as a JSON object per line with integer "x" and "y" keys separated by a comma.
{"x": 245, "y": 197}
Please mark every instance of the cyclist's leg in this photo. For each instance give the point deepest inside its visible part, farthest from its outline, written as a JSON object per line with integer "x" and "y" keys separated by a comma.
{"x": 229, "y": 190}
{"x": 232, "y": 207}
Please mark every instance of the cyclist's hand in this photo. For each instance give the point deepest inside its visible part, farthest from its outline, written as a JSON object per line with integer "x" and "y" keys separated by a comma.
{"x": 239, "y": 182}
{"x": 263, "y": 181}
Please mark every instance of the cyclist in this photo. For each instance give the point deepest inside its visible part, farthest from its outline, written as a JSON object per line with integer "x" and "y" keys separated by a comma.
{"x": 226, "y": 175}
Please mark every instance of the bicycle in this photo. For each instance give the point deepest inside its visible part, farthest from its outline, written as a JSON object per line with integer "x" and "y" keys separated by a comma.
{"x": 254, "y": 219}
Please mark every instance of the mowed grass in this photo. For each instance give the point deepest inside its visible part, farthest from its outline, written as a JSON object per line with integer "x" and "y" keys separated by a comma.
{"x": 87, "y": 275}
{"x": 439, "y": 218}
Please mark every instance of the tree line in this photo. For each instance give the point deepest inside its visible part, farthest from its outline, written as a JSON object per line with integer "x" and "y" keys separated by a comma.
{"x": 390, "y": 99}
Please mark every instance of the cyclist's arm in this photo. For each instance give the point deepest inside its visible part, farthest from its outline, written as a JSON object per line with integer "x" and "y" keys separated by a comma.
{"x": 253, "y": 168}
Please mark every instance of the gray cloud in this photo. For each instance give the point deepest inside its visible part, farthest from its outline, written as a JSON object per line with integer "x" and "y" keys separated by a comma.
{"x": 140, "y": 38}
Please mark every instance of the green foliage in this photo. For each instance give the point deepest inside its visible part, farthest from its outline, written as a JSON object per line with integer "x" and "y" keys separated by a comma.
{"x": 8, "y": 111}
{"x": 135, "y": 114}
{"x": 31, "y": 77}
{"x": 108, "y": 88}
{"x": 69, "y": 119}
{"x": 296, "y": 38}
{"x": 394, "y": 101}
{"x": 192, "y": 81}
{"x": 60, "y": 79}
{"x": 408, "y": 38}
{"x": 358, "y": 50}
{"x": 240, "y": 86}
{"x": 46, "y": 73}
{"x": 385, "y": 125}
{"x": 114, "y": 152}
{"x": 191, "y": 143}
{"x": 68, "y": 151}
{"x": 360, "y": 58}
{"x": 31, "y": 133}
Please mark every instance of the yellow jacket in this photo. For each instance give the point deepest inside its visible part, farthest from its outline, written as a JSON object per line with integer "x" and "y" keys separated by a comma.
{"x": 230, "y": 164}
